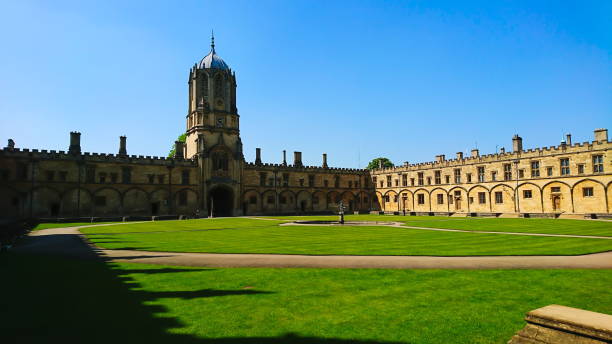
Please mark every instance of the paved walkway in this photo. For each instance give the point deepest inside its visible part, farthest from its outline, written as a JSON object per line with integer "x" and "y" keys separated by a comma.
{"x": 70, "y": 242}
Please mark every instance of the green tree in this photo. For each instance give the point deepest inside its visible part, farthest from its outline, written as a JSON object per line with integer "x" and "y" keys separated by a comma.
{"x": 375, "y": 163}
{"x": 182, "y": 138}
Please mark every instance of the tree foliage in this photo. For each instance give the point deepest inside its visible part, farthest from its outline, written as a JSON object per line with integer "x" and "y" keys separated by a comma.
{"x": 182, "y": 138}
{"x": 386, "y": 163}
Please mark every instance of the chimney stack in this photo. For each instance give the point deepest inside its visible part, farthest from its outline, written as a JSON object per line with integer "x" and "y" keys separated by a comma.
{"x": 517, "y": 143}
{"x": 75, "y": 143}
{"x": 122, "y": 145}
{"x": 257, "y": 156}
{"x": 297, "y": 159}
{"x": 601, "y": 135}
{"x": 502, "y": 150}
{"x": 440, "y": 158}
{"x": 459, "y": 155}
{"x": 324, "y": 160}
{"x": 568, "y": 139}
{"x": 475, "y": 153}
{"x": 179, "y": 150}
{"x": 284, "y": 157}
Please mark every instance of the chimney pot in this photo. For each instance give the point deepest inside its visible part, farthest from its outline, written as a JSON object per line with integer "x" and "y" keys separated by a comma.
{"x": 325, "y": 160}
{"x": 75, "y": 143}
{"x": 122, "y": 145}
{"x": 179, "y": 150}
{"x": 517, "y": 143}
{"x": 475, "y": 153}
{"x": 297, "y": 159}
{"x": 459, "y": 155}
{"x": 601, "y": 135}
{"x": 258, "y": 156}
{"x": 284, "y": 157}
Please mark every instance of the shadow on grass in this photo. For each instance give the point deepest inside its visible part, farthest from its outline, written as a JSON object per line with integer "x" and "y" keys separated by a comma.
{"x": 46, "y": 298}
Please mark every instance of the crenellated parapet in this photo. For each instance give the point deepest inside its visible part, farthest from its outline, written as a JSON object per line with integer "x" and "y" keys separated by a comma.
{"x": 44, "y": 154}
{"x": 309, "y": 169}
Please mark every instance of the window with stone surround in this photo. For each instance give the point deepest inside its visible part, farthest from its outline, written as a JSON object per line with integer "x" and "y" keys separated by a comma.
{"x": 527, "y": 194}
{"x": 428, "y": 180}
{"x": 457, "y": 176}
{"x": 507, "y": 171}
{"x": 587, "y": 192}
{"x": 311, "y": 180}
{"x": 126, "y": 175}
{"x": 301, "y": 181}
{"x": 270, "y": 199}
{"x": 113, "y": 177}
{"x": 481, "y": 174}
{"x": 90, "y": 174}
{"x": 102, "y": 177}
{"x": 565, "y": 169}
{"x": 499, "y": 197}
{"x": 262, "y": 178}
{"x": 411, "y": 181}
{"x": 421, "y": 198}
{"x": 63, "y": 175}
{"x": 337, "y": 181}
{"x": 185, "y": 177}
{"x": 535, "y": 169}
{"x": 482, "y": 198}
{"x": 151, "y": 178}
{"x": 598, "y": 166}
{"x": 440, "y": 198}
{"x": 580, "y": 168}
{"x": 493, "y": 175}
{"x": 420, "y": 178}
{"x": 437, "y": 177}
{"x": 468, "y": 177}
{"x": 447, "y": 179}
{"x": 285, "y": 179}
{"x": 388, "y": 181}
{"x": 404, "y": 180}
{"x": 549, "y": 171}
{"x": 396, "y": 182}
{"x": 521, "y": 173}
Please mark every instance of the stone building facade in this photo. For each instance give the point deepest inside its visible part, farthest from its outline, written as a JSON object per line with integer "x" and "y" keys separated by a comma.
{"x": 208, "y": 174}
{"x": 567, "y": 179}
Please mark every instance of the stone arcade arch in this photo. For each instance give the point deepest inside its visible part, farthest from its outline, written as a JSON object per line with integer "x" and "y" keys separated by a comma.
{"x": 251, "y": 202}
{"x": 77, "y": 202}
{"x": 584, "y": 203}
{"x": 221, "y": 201}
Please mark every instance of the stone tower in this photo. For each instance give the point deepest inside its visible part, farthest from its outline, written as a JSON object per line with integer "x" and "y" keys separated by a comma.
{"x": 213, "y": 135}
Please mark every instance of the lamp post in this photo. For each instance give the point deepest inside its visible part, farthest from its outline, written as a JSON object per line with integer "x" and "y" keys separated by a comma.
{"x": 516, "y": 194}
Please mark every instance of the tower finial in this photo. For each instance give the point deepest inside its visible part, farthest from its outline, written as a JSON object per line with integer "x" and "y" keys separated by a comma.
{"x": 212, "y": 40}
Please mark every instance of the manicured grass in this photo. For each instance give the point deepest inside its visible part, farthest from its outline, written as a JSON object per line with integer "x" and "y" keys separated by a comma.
{"x": 544, "y": 226}
{"x": 62, "y": 225}
{"x": 232, "y": 235}
{"x": 47, "y": 299}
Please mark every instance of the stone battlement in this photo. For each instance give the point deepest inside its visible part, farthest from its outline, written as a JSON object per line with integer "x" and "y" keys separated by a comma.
{"x": 292, "y": 168}
{"x": 44, "y": 154}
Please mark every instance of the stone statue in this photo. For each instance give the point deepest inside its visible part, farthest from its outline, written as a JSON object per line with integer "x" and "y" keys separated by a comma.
{"x": 11, "y": 144}
{"x": 341, "y": 209}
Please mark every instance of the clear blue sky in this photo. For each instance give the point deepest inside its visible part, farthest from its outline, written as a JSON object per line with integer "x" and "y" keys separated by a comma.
{"x": 355, "y": 79}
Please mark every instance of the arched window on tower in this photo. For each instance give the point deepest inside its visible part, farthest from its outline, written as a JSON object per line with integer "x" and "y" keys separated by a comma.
{"x": 220, "y": 163}
{"x": 219, "y": 91}
{"x": 204, "y": 86}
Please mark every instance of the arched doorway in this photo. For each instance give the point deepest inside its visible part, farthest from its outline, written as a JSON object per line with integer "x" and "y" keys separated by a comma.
{"x": 220, "y": 201}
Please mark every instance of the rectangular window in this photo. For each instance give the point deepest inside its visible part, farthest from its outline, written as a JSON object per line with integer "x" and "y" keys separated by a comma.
{"x": 315, "y": 200}
{"x": 411, "y": 181}
{"x": 499, "y": 197}
{"x": 493, "y": 175}
{"x": 374, "y": 180}
{"x": 262, "y": 179}
{"x": 185, "y": 177}
{"x": 337, "y": 182}
{"x": 381, "y": 184}
{"x": 404, "y": 180}
{"x": 521, "y": 173}
{"x": 387, "y": 199}
{"x": 481, "y": 174}
{"x": 587, "y": 192}
{"x": 482, "y": 198}
{"x": 22, "y": 171}
{"x": 535, "y": 169}
{"x": 555, "y": 189}
{"x": 420, "y": 178}
{"x": 286, "y": 179}
{"x": 395, "y": 198}
{"x": 549, "y": 171}
{"x": 421, "y": 198}
{"x": 151, "y": 178}
{"x": 102, "y": 176}
{"x": 302, "y": 182}
{"x": 50, "y": 175}
{"x": 507, "y": 172}
{"x": 565, "y": 169}
{"x": 63, "y": 175}
{"x": 428, "y": 180}
{"x": 160, "y": 178}
{"x": 527, "y": 194}
{"x": 126, "y": 175}
{"x": 326, "y": 183}
{"x": 440, "y": 199}
{"x": 388, "y": 181}
{"x": 598, "y": 166}
{"x": 447, "y": 179}
{"x": 113, "y": 177}
{"x": 468, "y": 177}
{"x": 450, "y": 199}
{"x": 311, "y": 180}
{"x": 471, "y": 200}
{"x": 437, "y": 177}
{"x": 90, "y": 174}
{"x": 457, "y": 176}
{"x": 580, "y": 168}
{"x": 396, "y": 182}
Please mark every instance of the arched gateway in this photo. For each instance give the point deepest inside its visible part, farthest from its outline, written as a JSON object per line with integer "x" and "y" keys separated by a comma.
{"x": 221, "y": 201}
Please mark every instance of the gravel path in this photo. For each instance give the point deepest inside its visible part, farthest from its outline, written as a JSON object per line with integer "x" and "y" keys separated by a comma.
{"x": 70, "y": 242}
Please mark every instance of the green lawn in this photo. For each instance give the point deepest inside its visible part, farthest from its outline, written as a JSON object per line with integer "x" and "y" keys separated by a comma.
{"x": 62, "y": 225}
{"x": 241, "y": 235}
{"x": 544, "y": 226}
{"x": 47, "y": 300}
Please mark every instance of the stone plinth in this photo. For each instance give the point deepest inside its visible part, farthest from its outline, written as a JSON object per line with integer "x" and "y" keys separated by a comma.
{"x": 560, "y": 324}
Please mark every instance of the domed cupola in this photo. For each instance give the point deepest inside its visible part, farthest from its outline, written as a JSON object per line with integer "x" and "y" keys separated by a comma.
{"x": 212, "y": 60}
